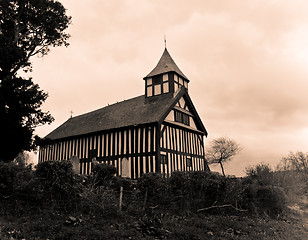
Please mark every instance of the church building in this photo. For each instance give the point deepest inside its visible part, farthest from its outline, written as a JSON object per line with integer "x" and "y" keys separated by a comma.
{"x": 159, "y": 131}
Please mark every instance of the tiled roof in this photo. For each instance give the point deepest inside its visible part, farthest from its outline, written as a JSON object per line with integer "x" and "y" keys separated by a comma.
{"x": 166, "y": 64}
{"x": 130, "y": 112}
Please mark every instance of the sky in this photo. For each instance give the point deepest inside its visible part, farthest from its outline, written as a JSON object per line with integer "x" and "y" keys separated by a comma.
{"x": 246, "y": 61}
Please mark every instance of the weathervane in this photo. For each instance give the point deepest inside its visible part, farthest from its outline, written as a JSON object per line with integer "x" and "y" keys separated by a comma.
{"x": 71, "y": 113}
{"x": 165, "y": 41}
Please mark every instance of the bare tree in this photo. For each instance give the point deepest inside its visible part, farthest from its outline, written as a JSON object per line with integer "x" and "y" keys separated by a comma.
{"x": 292, "y": 174}
{"x": 297, "y": 161}
{"x": 222, "y": 150}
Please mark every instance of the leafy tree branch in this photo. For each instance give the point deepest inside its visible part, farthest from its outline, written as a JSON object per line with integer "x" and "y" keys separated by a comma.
{"x": 27, "y": 28}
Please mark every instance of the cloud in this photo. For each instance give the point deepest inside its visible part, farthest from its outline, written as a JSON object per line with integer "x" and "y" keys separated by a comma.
{"x": 246, "y": 61}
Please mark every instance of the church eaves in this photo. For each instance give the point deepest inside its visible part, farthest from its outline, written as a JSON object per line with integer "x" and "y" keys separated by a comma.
{"x": 164, "y": 65}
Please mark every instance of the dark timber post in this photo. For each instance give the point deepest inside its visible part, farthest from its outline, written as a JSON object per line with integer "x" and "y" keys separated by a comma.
{"x": 157, "y": 142}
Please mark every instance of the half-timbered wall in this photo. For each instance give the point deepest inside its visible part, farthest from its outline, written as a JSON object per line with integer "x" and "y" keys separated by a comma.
{"x": 177, "y": 148}
{"x": 138, "y": 145}
{"x": 182, "y": 150}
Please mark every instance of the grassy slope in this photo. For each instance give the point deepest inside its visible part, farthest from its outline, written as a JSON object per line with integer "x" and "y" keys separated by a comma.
{"x": 48, "y": 225}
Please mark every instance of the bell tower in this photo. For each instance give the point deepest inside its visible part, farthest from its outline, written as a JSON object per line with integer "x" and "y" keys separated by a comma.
{"x": 165, "y": 78}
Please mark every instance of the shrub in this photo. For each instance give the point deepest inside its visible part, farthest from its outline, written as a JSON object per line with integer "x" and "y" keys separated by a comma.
{"x": 260, "y": 193}
{"x": 54, "y": 171}
{"x": 178, "y": 190}
{"x": 103, "y": 173}
{"x": 178, "y": 183}
{"x": 232, "y": 193}
{"x": 7, "y": 178}
{"x": 261, "y": 173}
{"x": 118, "y": 182}
{"x": 270, "y": 200}
{"x": 196, "y": 184}
{"x": 193, "y": 190}
{"x": 154, "y": 186}
{"x": 15, "y": 181}
{"x": 57, "y": 180}
{"x": 215, "y": 186}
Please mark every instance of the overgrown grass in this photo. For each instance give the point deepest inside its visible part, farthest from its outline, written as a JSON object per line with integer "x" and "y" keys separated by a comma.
{"x": 50, "y": 225}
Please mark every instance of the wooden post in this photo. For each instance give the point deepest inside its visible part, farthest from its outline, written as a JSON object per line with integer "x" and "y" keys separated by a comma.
{"x": 121, "y": 197}
{"x": 145, "y": 198}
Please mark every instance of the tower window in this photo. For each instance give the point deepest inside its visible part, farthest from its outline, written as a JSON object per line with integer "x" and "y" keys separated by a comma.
{"x": 165, "y": 77}
{"x": 176, "y": 86}
{"x": 157, "y": 79}
{"x": 157, "y": 89}
{"x": 149, "y": 81}
{"x": 176, "y": 78}
{"x": 166, "y": 87}
{"x": 186, "y": 84}
{"x": 157, "y": 85}
{"x": 149, "y": 91}
{"x": 181, "y": 81}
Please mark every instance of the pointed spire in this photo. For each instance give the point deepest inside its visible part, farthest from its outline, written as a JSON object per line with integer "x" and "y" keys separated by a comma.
{"x": 165, "y": 64}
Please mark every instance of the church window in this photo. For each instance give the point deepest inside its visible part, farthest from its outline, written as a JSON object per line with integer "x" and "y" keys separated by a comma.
{"x": 176, "y": 86}
{"x": 176, "y": 78}
{"x": 149, "y": 81}
{"x": 157, "y": 79}
{"x": 165, "y": 77}
{"x": 163, "y": 158}
{"x": 186, "y": 84}
{"x": 181, "y": 81}
{"x": 149, "y": 91}
{"x": 181, "y": 118}
{"x": 157, "y": 85}
{"x": 188, "y": 161}
{"x": 157, "y": 89}
{"x": 166, "y": 87}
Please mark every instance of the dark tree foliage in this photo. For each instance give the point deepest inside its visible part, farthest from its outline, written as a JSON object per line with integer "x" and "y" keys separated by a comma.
{"x": 27, "y": 28}
{"x": 20, "y": 112}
